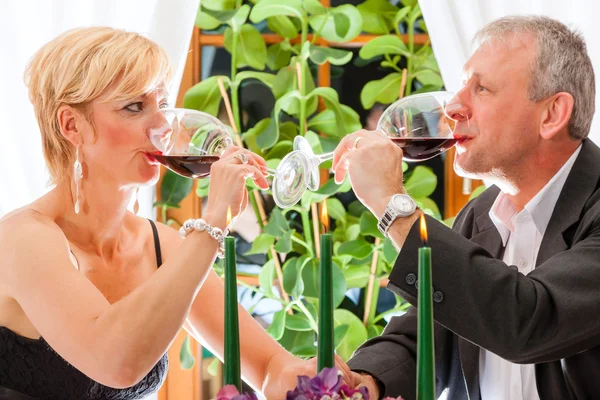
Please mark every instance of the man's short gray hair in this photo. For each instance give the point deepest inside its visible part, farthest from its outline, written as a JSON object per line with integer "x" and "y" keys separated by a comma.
{"x": 561, "y": 65}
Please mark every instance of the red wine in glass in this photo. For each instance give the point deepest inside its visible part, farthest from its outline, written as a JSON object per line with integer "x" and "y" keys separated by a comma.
{"x": 423, "y": 148}
{"x": 188, "y": 166}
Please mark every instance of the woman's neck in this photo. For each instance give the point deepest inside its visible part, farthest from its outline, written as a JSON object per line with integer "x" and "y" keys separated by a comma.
{"x": 99, "y": 226}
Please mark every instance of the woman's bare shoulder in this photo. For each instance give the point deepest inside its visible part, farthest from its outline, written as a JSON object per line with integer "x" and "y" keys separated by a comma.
{"x": 169, "y": 238}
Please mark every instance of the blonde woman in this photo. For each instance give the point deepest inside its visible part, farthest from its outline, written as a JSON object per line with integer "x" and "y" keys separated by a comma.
{"x": 91, "y": 296}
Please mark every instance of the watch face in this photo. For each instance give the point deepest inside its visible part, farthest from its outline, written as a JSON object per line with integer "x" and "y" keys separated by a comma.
{"x": 403, "y": 204}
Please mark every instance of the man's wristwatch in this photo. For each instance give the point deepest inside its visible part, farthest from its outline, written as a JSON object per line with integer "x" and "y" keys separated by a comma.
{"x": 400, "y": 205}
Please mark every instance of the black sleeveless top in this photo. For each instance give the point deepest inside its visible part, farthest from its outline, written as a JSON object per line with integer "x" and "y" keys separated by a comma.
{"x": 31, "y": 369}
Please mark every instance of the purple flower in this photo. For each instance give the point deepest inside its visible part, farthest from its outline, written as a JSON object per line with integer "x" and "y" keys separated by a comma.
{"x": 327, "y": 383}
{"x": 230, "y": 392}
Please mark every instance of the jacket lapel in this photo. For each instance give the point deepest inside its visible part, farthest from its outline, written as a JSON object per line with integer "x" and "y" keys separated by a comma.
{"x": 488, "y": 238}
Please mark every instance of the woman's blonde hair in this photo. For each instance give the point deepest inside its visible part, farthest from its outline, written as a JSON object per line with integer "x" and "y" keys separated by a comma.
{"x": 76, "y": 68}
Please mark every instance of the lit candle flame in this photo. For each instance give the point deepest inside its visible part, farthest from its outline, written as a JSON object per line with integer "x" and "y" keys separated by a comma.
{"x": 228, "y": 215}
{"x": 423, "y": 227}
{"x": 324, "y": 217}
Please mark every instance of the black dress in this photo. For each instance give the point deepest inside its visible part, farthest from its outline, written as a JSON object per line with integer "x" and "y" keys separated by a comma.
{"x": 31, "y": 369}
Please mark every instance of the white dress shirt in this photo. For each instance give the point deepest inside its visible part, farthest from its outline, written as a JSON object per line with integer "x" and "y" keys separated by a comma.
{"x": 522, "y": 234}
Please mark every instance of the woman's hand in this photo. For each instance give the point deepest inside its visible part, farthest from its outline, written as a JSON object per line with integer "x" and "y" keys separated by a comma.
{"x": 228, "y": 184}
{"x": 284, "y": 369}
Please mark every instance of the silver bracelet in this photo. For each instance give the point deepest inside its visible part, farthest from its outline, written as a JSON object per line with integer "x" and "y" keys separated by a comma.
{"x": 201, "y": 225}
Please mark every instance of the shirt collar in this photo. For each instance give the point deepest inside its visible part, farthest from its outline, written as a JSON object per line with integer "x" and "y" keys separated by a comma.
{"x": 540, "y": 207}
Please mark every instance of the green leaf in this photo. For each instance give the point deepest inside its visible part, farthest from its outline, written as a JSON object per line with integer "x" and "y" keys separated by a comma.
{"x": 358, "y": 248}
{"x": 373, "y": 12}
{"x": 421, "y": 183}
{"x": 306, "y": 352}
{"x": 312, "y": 281}
{"x": 314, "y": 7}
{"x": 239, "y": 18}
{"x": 251, "y": 48}
{"x": 295, "y": 340}
{"x": 387, "y": 44}
{"x": 267, "y": 137}
{"x": 478, "y": 190}
{"x": 357, "y": 333}
{"x": 389, "y": 251}
{"x": 261, "y": 244}
{"x": 280, "y": 150}
{"x": 284, "y": 244}
{"x": 173, "y": 189}
{"x": 265, "y": 278}
{"x": 277, "y": 57}
{"x": 326, "y": 122}
{"x": 277, "y": 224}
{"x": 252, "y": 133}
{"x": 270, "y": 8}
{"x": 203, "y": 187}
{"x": 265, "y": 77}
{"x": 285, "y": 81}
{"x": 429, "y": 207}
{"x": 357, "y": 276}
{"x": 356, "y": 209}
{"x": 384, "y": 90}
{"x": 429, "y": 78}
{"x": 340, "y": 24}
{"x": 368, "y": 225}
{"x": 289, "y": 102}
{"x": 415, "y": 13}
{"x": 297, "y": 322}
{"x": 218, "y": 4}
{"x": 400, "y": 15}
{"x": 206, "y": 21}
{"x": 339, "y": 334}
{"x": 320, "y": 55}
{"x": 288, "y": 132}
{"x": 374, "y": 330}
{"x": 410, "y": 3}
{"x": 332, "y": 102}
{"x": 213, "y": 367}
{"x": 336, "y": 209}
{"x": 352, "y": 232}
{"x": 186, "y": 359}
{"x": 315, "y": 143}
{"x": 205, "y": 95}
{"x": 292, "y": 275}
{"x": 278, "y": 325}
{"x": 283, "y": 26}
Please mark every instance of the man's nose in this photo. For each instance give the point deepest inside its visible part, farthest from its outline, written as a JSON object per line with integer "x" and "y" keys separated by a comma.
{"x": 457, "y": 110}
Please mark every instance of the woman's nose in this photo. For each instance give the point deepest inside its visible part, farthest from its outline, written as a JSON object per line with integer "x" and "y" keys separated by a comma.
{"x": 160, "y": 130}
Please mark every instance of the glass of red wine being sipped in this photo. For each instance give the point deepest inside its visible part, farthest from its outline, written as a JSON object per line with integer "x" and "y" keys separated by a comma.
{"x": 188, "y": 142}
{"x": 419, "y": 124}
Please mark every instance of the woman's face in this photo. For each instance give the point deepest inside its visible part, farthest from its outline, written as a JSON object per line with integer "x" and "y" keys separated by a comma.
{"x": 122, "y": 149}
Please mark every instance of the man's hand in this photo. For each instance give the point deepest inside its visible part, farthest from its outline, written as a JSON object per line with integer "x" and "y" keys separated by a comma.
{"x": 367, "y": 381}
{"x": 374, "y": 164}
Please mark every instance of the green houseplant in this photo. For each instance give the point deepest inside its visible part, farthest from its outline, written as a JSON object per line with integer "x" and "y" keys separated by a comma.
{"x": 361, "y": 257}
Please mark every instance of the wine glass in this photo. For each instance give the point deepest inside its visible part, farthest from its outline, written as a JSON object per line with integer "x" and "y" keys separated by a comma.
{"x": 188, "y": 142}
{"x": 419, "y": 124}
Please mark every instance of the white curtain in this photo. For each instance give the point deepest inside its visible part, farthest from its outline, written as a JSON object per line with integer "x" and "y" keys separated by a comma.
{"x": 453, "y": 23}
{"x": 25, "y": 25}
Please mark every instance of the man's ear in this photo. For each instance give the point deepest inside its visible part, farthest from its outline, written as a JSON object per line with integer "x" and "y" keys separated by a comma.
{"x": 556, "y": 114}
{"x": 68, "y": 119}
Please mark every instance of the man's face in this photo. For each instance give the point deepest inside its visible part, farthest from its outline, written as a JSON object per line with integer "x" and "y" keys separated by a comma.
{"x": 496, "y": 121}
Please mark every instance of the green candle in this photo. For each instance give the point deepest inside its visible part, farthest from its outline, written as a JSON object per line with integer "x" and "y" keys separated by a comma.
{"x": 325, "y": 358}
{"x": 425, "y": 341}
{"x": 231, "y": 365}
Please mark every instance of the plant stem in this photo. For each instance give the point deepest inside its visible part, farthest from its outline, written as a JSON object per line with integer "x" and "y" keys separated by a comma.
{"x": 307, "y": 230}
{"x": 391, "y": 63}
{"x": 409, "y": 63}
{"x": 304, "y": 244}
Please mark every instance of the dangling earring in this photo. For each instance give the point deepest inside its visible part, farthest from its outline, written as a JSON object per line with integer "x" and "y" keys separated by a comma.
{"x": 77, "y": 175}
{"x": 136, "y": 205}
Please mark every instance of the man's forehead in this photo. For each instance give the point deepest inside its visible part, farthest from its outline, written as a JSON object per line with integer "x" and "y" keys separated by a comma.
{"x": 493, "y": 53}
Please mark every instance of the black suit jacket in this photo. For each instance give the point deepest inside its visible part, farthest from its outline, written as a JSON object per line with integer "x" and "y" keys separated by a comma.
{"x": 550, "y": 318}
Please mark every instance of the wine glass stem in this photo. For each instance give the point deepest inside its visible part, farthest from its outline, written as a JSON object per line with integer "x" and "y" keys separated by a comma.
{"x": 324, "y": 157}
{"x": 270, "y": 172}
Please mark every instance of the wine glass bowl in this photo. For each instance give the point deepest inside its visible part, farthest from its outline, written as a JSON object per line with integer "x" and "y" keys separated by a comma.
{"x": 420, "y": 125}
